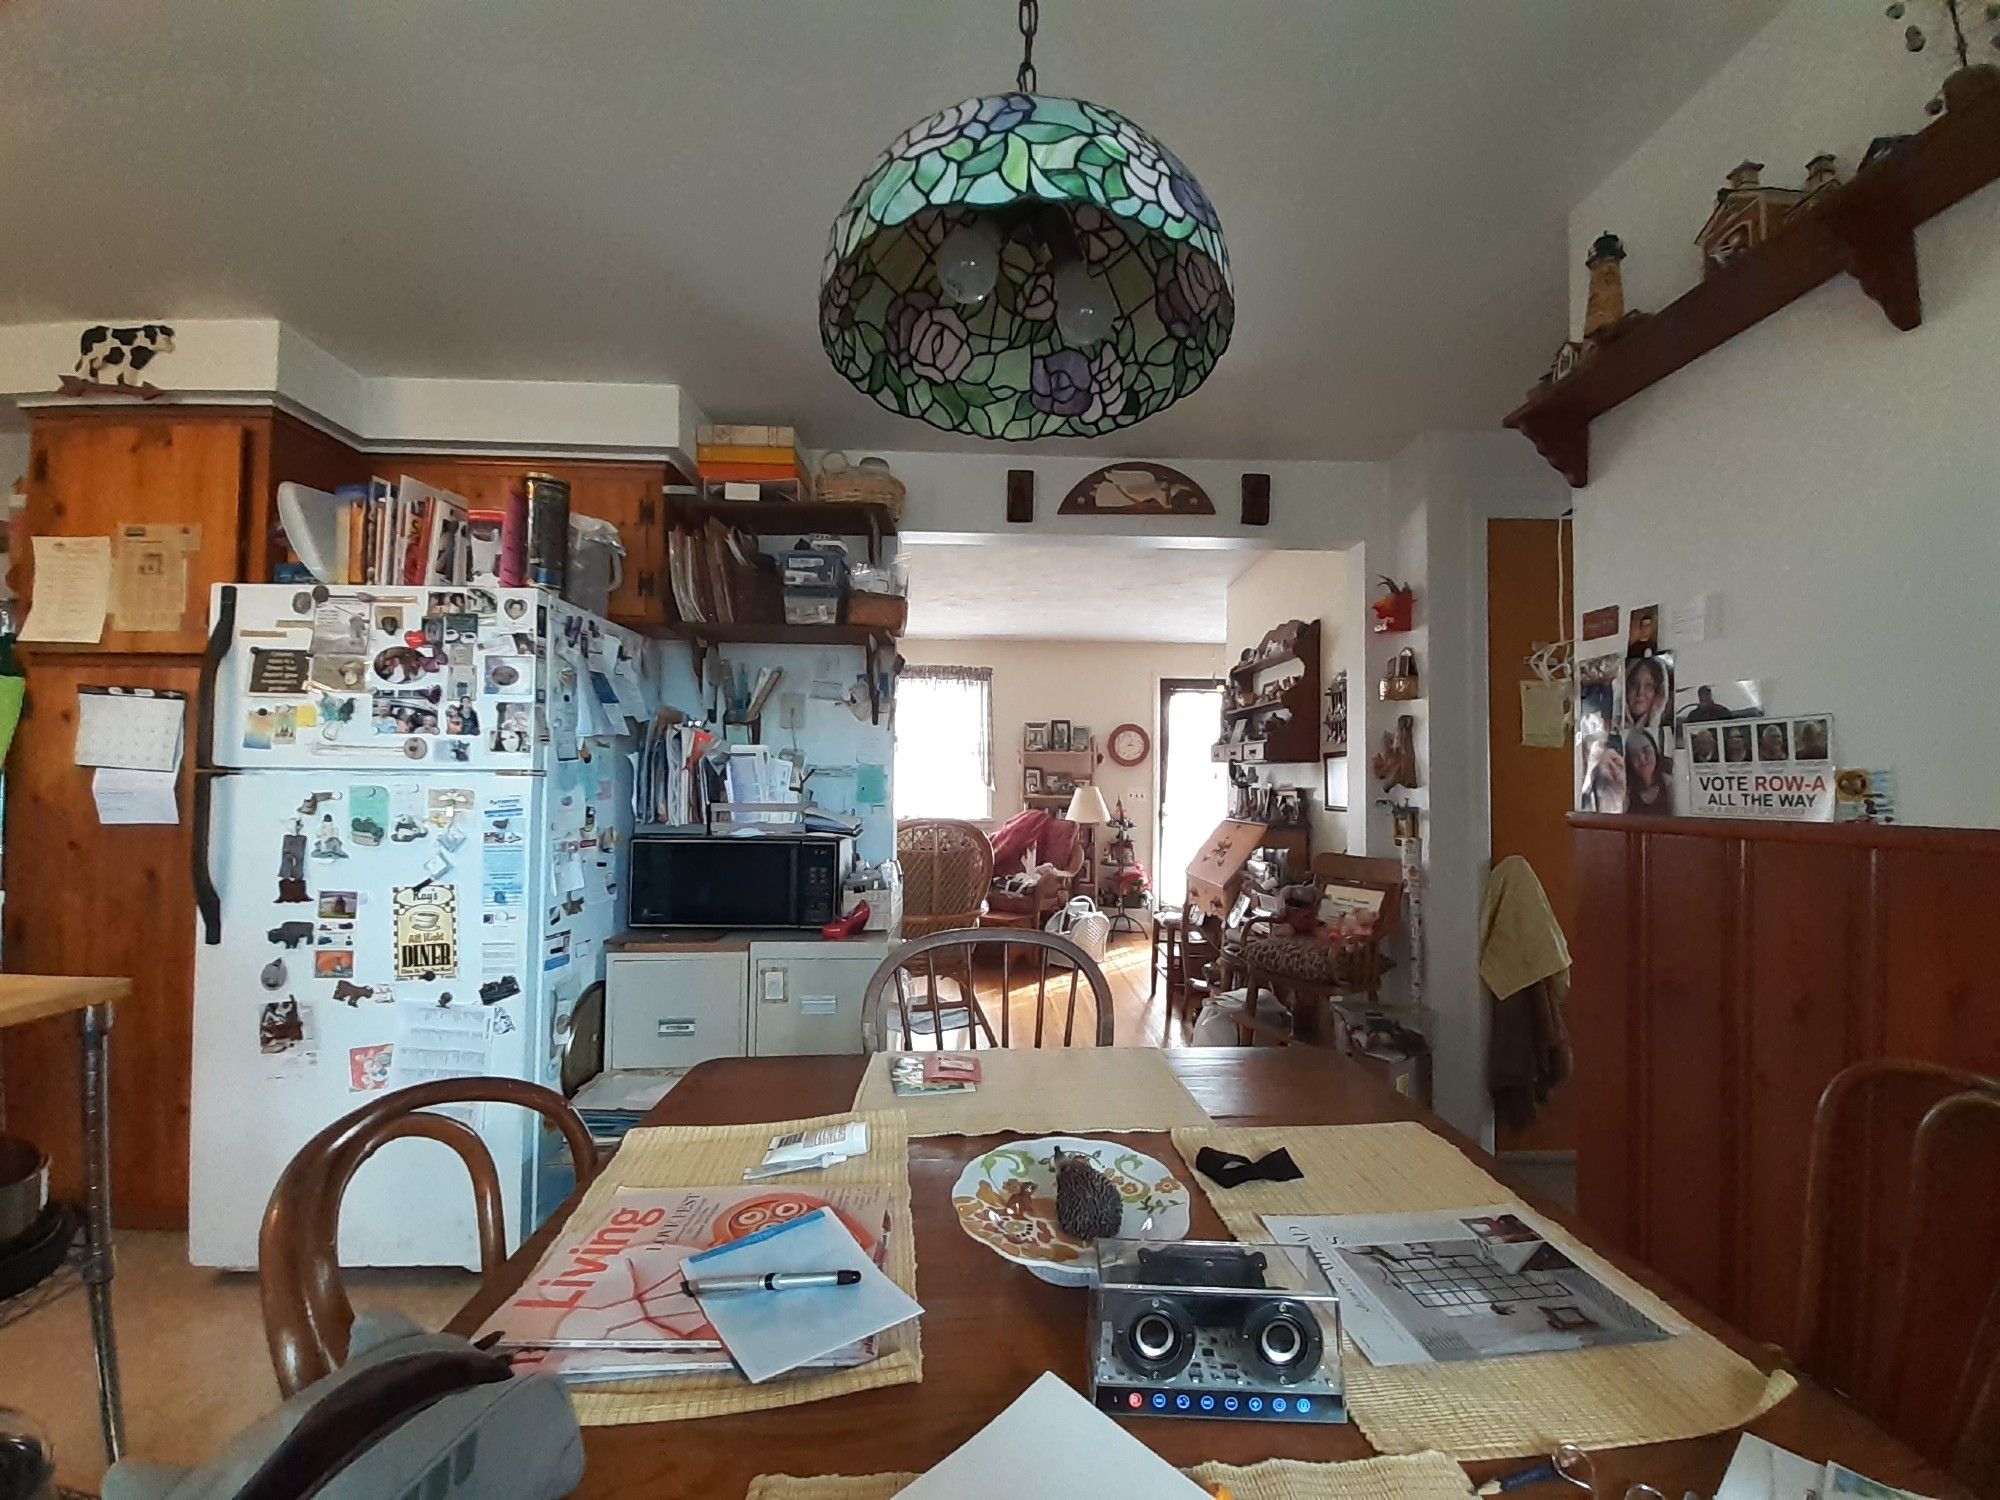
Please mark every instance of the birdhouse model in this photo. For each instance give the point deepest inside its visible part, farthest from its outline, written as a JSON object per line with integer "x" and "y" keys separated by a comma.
{"x": 1746, "y": 213}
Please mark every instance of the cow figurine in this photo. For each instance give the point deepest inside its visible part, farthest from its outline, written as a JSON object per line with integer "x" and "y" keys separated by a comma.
{"x": 111, "y": 359}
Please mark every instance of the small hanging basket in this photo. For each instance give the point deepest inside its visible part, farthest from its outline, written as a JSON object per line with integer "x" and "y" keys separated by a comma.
{"x": 866, "y": 483}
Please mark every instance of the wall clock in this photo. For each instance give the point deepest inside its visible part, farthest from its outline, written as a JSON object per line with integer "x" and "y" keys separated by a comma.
{"x": 1129, "y": 744}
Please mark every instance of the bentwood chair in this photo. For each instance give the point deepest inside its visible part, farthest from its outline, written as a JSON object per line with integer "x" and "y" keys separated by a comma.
{"x": 1899, "y": 1295}
{"x": 947, "y": 867}
{"x": 307, "y": 1316}
{"x": 902, "y": 1004}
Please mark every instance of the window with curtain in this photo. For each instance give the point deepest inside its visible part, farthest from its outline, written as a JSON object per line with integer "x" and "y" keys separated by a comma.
{"x": 944, "y": 742}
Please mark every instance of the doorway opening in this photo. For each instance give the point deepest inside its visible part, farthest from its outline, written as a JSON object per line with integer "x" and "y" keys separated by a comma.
{"x": 1194, "y": 787}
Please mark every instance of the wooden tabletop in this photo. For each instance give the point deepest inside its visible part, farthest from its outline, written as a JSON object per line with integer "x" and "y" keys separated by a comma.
{"x": 990, "y": 1329}
{"x": 37, "y": 997}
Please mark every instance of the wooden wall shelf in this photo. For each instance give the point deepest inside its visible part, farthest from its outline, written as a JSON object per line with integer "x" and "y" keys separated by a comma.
{"x": 791, "y": 517}
{"x": 1269, "y": 741}
{"x": 1866, "y": 227}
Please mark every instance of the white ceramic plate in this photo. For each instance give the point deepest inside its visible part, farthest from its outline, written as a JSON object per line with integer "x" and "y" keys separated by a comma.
{"x": 1006, "y": 1200}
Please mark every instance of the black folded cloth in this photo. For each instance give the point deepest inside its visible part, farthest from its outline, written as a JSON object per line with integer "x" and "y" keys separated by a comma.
{"x": 1229, "y": 1170}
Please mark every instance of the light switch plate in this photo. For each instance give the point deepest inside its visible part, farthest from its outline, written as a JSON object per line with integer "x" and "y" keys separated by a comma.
{"x": 774, "y": 986}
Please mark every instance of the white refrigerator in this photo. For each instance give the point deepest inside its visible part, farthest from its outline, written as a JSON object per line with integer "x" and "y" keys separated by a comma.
{"x": 413, "y": 809}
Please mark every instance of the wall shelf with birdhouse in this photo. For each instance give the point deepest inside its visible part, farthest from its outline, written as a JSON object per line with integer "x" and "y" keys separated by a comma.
{"x": 1763, "y": 248}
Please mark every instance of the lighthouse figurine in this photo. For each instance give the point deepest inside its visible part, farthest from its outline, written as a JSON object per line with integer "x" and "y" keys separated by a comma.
{"x": 1604, "y": 314}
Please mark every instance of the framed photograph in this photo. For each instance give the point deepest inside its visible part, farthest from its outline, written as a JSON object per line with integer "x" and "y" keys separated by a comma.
{"x": 1079, "y": 736}
{"x": 1058, "y": 785}
{"x": 1059, "y": 734}
{"x": 1031, "y": 781}
{"x": 1035, "y": 736}
{"x": 1333, "y": 783}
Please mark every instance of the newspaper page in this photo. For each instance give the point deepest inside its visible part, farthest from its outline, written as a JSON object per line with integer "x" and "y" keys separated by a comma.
{"x": 1479, "y": 1283}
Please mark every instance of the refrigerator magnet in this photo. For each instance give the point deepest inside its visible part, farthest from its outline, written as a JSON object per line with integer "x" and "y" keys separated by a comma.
{"x": 278, "y": 673}
{"x": 259, "y": 724}
{"x": 292, "y": 870}
{"x": 368, "y": 815}
{"x": 273, "y": 975}
{"x": 326, "y": 839}
{"x": 339, "y": 906}
{"x": 333, "y": 963}
{"x": 426, "y": 931}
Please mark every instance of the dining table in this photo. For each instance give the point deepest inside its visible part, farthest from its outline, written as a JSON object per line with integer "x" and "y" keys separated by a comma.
{"x": 990, "y": 1329}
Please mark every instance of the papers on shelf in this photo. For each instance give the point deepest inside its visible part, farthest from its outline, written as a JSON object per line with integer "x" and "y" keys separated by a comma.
{"x": 768, "y": 1333}
{"x": 1474, "y": 1283}
{"x": 1053, "y": 1442}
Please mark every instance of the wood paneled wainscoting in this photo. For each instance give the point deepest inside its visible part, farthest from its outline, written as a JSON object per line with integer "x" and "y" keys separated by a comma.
{"x": 1725, "y": 971}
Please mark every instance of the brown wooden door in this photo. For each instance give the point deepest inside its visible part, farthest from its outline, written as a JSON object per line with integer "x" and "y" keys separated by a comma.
{"x": 625, "y": 494}
{"x": 85, "y": 899}
{"x": 1530, "y": 786}
{"x": 90, "y": 472}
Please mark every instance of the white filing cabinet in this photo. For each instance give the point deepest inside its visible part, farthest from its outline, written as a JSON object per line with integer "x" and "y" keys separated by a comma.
{"x": 805, "y": 997}
{"x": 675, "y": 1006}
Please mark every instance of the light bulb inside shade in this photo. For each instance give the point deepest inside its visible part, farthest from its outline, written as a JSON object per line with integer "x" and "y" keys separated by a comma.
{"x": 968, "y": 262}
{"x": 1083, "y": 305}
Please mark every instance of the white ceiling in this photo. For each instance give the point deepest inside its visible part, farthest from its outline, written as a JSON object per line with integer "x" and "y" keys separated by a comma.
{"x": 1115, "y": 589}
{"x": 638, "y": 190}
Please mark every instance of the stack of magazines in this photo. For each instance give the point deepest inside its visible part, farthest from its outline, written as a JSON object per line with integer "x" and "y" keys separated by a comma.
{"x": 718, "y": 577}
{"x": 608, "y": 1302}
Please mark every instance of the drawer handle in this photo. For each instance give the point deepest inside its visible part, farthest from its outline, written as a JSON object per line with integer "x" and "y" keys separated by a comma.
{"x": 676, "y": 1026}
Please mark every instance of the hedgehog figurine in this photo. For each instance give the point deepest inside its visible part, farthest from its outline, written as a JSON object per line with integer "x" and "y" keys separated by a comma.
{"x": 1088, "y": 1206}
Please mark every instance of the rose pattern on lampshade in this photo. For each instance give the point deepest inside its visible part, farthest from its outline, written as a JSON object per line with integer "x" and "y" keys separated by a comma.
{"x": 1002, "y": 368}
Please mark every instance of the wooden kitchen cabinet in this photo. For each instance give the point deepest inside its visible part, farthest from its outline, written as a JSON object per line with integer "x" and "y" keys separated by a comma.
{"x": 625, "y": 494}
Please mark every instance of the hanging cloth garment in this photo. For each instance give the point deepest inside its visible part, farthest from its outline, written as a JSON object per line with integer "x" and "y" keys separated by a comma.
{"x": 1524, "y": 969}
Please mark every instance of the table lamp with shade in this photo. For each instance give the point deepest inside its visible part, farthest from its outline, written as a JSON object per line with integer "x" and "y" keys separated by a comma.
{"x": 1087, "y": 810}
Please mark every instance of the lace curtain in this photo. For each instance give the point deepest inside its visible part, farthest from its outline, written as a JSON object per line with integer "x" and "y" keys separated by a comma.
{"x": 944, "y": 742}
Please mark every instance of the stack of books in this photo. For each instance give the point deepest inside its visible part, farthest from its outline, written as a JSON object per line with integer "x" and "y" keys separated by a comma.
{"x": 751, "y": 462}
{"x": 717, "y": 576}
{"x": 401, "y": 533}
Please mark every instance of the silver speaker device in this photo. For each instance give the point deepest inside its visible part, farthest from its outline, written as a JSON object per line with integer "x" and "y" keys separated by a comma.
{"x": 1215, "y": 1329}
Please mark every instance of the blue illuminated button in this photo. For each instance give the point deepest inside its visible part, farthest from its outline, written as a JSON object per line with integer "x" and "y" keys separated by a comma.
{"x": 1159, "y": 1402}
{"x": 1304, "y": 1406}
{"x": 1181, "y": 1403}
{"x": 1277, "y": 1403}
{"x": 1208, "y": 1403}
{"x": 1256, "y": 1403}
{"x": 1229, "y": 1403}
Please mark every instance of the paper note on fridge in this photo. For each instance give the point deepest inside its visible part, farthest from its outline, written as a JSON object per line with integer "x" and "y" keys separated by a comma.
{"x": 1053, "y": 1442}
{"x": 135, "y": 796}
{"x": 133, "y": 729}
{"x": 768, "y": 1333}
{"x": 72, "y": 589}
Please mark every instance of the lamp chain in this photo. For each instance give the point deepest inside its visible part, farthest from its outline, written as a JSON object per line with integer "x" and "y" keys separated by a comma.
{"x": 1031, "y": 18}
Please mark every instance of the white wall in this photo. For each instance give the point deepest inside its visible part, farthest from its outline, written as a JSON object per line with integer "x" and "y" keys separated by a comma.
{"x": 1832, "y": 479}
{"x": 1323, "y": 586}
{"x": 1099, "y": 683}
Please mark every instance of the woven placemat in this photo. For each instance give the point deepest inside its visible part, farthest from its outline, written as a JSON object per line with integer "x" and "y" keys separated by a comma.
{"x": 715, "y": 1155}
{"x": 1415, "y": 1476}
{"x": 1045, "y": 1091}
{"x": 1661, "y": 1392}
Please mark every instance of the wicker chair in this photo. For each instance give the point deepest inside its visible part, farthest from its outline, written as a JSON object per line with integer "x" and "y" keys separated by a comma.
{"x": 1061, "y": 971}
{"x": 307, "y": 1317}
{"x": 947, "y": 868}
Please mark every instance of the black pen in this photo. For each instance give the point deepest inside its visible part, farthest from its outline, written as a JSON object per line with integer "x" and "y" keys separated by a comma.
{"x": 772, "y": 1281}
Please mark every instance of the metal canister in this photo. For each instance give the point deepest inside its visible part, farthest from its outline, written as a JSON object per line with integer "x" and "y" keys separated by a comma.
{"x": 548, "y": 529}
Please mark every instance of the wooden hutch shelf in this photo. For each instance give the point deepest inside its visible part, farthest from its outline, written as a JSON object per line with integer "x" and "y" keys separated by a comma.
{"x": 1866, "y": 227}
{"x": 1267, "y": 742}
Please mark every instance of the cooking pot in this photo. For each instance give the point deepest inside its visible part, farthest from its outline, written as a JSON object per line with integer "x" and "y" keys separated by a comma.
{"x": 24, "y": 1187}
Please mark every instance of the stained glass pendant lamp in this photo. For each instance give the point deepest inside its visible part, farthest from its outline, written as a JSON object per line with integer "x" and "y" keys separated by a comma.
{"x": 1025, "y": 266}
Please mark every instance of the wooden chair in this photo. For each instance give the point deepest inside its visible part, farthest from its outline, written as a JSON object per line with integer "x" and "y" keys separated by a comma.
{"x": 1899, "y": 1293}
{"x": 307, "y": 1315}
{"x": 1043, "y": 955}
{"x": 947, "y": 867}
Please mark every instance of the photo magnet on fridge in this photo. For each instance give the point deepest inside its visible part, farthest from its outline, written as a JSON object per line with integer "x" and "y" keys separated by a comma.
{"x": 368, "y": 1067}
{"x": 368, "y": 815}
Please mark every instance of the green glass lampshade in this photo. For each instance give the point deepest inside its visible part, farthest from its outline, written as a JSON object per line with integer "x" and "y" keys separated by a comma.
{"x": 1067, "y": 187}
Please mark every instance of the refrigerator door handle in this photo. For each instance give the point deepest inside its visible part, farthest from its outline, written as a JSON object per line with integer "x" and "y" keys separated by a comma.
{"x": 220, "y": 638}
{"x": 207, "y": 899}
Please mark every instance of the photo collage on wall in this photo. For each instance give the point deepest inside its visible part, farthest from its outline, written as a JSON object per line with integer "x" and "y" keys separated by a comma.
{"x": 1626, "y": 720}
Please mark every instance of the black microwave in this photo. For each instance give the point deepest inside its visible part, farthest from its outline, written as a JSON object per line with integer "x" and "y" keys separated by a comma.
{"x": 766, "y": 880}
